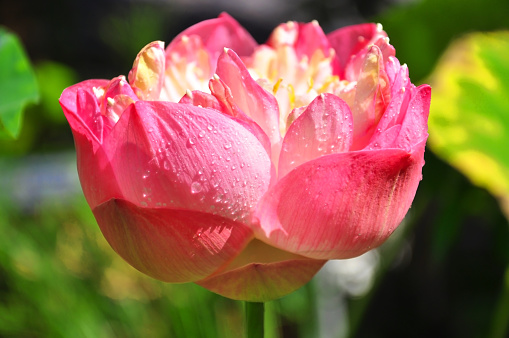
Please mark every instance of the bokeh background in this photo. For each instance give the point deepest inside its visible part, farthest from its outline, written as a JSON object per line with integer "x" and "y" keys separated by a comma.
{"x": 442, "y": 274}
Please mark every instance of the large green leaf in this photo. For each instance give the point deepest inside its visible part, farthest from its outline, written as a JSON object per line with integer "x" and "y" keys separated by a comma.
{"x": 469, "y": 118}
{"x": 18, "y": 85}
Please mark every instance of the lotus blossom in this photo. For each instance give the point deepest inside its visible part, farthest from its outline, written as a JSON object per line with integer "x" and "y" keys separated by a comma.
{"x": 245, "y": 167}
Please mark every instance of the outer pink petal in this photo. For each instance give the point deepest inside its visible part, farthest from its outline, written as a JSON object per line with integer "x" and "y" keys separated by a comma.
{"x": 88, "y": 126}
{"x": 262, "y": 273}
{"x": 83, "y": 115}
{"x": 405, "y": 123}
{"x": 414, "y": 128}
{"x": 179, "y": 156}
{"x": 249, "y": 96}
{"x": 219, "y": 33}
{"x": 341, "y": 205}
{"x": 170, "y": 245}
{"x": 325, "y": 127}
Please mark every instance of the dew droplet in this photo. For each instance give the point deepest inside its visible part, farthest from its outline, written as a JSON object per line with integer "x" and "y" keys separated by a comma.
{"x": 227, "y": 146}
{"x": 196, "y": 187}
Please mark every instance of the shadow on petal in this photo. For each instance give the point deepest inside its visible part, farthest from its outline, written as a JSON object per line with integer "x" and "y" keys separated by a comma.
{"x": 175, "y": 246}
{"x": 262, "y": 273}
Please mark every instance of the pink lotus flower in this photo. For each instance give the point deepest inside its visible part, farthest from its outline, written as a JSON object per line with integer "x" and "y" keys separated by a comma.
{"x": 244, "y": 167}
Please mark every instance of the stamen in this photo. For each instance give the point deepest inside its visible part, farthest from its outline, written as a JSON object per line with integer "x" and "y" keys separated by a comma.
{"x": 330, "y": 79}
{"x": 310, "y": 84}
{"x": 276, "y": 86}
{"x": 291, "y": 95}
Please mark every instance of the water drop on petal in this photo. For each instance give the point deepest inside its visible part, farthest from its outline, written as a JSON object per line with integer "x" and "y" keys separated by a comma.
{"x": 196, "y": 187}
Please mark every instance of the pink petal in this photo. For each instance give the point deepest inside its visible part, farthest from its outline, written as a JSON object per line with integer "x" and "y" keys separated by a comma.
{"x": 414, "y": 129}
{"x": 228, "y": 106}
{"x": 311, "y": 38}
{"x": 306, "y": 38}
{"x": 401, "y": 92}
{"x": 354, "y": 67}
{"x": 170, "y": 245}
{"x": 262, "y": 273}
{"x": 188, "y": 67}
{"x": 83, "y": 113}
{"x": 118, "y": 95}
{"x": 202, "y": 99}
{"x": 179, "y": 156}
{"x": 147, "y": 75}
{"x": 89, "y": 114}
{"x": 223, "y": 102}
{"x": 89, "y": 129}
{"x": 341, "y": 205}
{"x": 249, "y": 96}
{"x": 325, "y": 127}
{"x": 348, "y": 41}
{"x": 216, "y": 34}
{"x": 370, "y": 96}
{"x": 405, "y": 122}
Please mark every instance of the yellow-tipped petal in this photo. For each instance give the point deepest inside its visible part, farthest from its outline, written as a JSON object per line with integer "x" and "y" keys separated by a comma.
{"x": 147, "y": 75}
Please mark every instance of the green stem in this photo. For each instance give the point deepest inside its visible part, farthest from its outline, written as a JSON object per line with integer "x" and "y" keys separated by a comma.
{"x": 254, "y": 313}
{"x": 500, "y": 322}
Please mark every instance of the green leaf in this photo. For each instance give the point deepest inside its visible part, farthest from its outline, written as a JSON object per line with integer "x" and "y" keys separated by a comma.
{"x": 469, "y": 116}
{"x": 18, "y": 85}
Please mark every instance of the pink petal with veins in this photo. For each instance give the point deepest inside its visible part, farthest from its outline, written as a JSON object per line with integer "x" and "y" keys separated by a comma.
{"x": 325, "y": 127}
{"x": 171, "y": 245}
{"x": 340, "y": 205}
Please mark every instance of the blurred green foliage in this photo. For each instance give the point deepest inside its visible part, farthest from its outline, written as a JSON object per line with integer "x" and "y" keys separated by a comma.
{"x": 18, "y": 86}
{"x": 469, "y": 119}
{"x": 60, "y": 278}
{"x": 421, "y": 31}
{"x": 52, "y": 78}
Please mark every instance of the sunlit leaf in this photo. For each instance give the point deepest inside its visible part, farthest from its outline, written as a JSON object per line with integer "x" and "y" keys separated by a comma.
{"x": 18, "y": 85}
{"x": 469, "y": 118}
